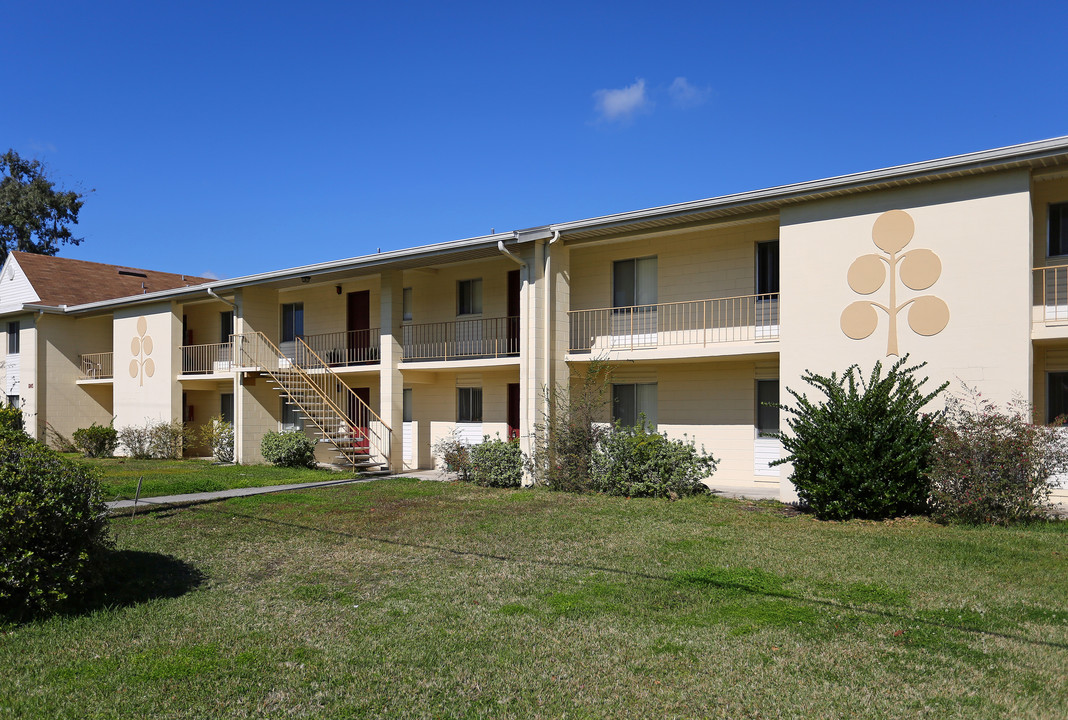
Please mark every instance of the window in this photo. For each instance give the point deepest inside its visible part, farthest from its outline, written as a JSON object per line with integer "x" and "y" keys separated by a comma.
{"x": 407, "y": 405}
{"x": 13, "y": 338}
{"x": 226, "y": 407}
{"x": 1058, "y": 229}
{"x": 292, "y": 321}
{"x": 469, "y": 405}
{"x": 767, "y": 279}
{"x": 630, "y": 402}
{"x": 291, "y": 417}
{"x": 226, "y": 326}
{"x": 634, "y": 282}
{"x": 13, "y": 401}
{"x": 469, "y": 297}
{"x": 1056, "y": 395}
{"x": 767, "y": 418}
{"x": 406, "y": 304}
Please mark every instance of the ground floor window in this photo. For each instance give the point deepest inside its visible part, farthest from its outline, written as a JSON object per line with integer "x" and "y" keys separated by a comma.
{"x": 226, "y": 407}
{"x": 406, "y": 409}
{"x": 13, "y": 401}
{"x": 469, "y": 405}
{"x": 767, "y": 412}
{"x": 1056, "y": 395}
{"x": 631, "y": 401}
{"x": 291, "y": 417}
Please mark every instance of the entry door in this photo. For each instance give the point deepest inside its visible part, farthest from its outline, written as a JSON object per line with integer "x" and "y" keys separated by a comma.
{"x": 359, "y": 327}
{"x": 513, "y": 410}
{"x": 513, "y": 312}
{"x": 360, "y": 416}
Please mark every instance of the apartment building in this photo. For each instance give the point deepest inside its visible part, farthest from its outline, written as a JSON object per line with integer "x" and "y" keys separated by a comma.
{"x": 706, "y": 310}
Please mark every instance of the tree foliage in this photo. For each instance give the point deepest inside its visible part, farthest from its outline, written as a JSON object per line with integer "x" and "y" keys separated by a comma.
{"x": 35, "y": 216}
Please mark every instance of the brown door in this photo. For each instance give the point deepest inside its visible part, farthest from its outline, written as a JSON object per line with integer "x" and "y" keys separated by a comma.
{"x": 359, "y": 415}
{"x": 513, "y": 410}
{"x": 359, "y": 327}
{"x": 513, "y": 312}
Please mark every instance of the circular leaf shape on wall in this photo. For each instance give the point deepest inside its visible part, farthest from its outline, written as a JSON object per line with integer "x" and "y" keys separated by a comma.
{"x": 920, "y": 269}
{"x": 928, "y": 315}
{"x": 142, "y": 326}
{"x": 893, "y": 230}
{"x": 867, "y": 274}
{"x": 134, "y": 368}
{"x": 150, "y": 367}
{"x": 135, "y": 346}
{"x": 859, "y": 320}
{"x": 147, "y": 345}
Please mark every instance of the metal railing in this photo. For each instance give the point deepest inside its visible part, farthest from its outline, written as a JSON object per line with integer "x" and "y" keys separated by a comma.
{"x": 1051, "y": 292}
{"x": 483, "y": 338}
{"x": 207, "y": 359}
{"x": 348, "y": 347}
{"x": 96, "y": 366}
{"x": 323, "y": 398}
{"x": 692, "y": 322}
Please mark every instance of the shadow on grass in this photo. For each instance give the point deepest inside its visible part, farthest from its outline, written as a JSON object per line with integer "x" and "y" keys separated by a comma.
{"x": 759, "y": 589}
{"x": 130, "y": 577}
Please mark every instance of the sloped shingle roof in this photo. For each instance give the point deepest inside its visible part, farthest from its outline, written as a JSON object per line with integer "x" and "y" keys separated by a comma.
{"x": 65, "y": 281}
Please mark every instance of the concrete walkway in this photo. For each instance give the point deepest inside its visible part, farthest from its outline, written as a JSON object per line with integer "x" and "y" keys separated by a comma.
{"x": 192, "y": 498}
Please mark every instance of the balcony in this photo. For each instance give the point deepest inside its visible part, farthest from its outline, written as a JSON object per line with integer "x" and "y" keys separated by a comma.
{"x": 352, "y": 347}
{"x": 96, "y": 366}
{"x": 207, "y": 359}
{"x": 1051, "y": 295}
{"x": 462, "y": 339}
{"x": 694, "y": 323}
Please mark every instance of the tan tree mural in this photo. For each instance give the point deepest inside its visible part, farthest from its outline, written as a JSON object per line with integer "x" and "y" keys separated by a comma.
{"x": 142, "y": 365}
{"x": 918, "y": 269}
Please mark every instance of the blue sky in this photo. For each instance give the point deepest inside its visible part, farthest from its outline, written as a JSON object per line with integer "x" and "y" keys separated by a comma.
{"x": 231, "y": 138}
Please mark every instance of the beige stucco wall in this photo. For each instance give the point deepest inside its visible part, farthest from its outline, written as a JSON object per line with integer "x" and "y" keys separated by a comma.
{"x": 145, "y": 384}
{"x": 980, "y": 228}
{"x": 65, "y": 405}
{"x": 257, "y": 410}
{"x": 434, "y": 293}
{"x": 204, "y": 322}
{"x": 325, "y": 311}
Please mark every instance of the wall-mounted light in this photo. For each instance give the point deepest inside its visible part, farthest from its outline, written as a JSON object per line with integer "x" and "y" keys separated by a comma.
{"x": 305, "y": 279}
{"x": 338, "y": 288}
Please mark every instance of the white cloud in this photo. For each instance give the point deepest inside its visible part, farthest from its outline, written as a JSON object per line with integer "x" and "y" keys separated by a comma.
{"x": 209, "y": 274}
{"x": 685, "y": 94}
{"x": 622, "y": 104}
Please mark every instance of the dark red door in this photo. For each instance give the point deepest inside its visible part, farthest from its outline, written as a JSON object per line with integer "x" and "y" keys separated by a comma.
{"x": 513, "y": 410}
{"x": 360, "y": 416}
{"x": 513, "y": 312}
{"x": 359, "y": 327}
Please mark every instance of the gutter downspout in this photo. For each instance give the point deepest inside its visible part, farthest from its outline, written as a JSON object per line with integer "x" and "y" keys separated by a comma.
{"x": 547, "y": 329}
{"x": 221, "y": 299}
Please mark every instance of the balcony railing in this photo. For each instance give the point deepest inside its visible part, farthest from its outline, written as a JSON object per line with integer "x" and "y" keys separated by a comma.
{"x": 207, "y": 359}
{"x": 462, "y": 339}
{"x": 694, "y": 322}
{"x": 96, "y": 366}
{"x": 1051, "y": 291}
{"x": 352, "y": 347}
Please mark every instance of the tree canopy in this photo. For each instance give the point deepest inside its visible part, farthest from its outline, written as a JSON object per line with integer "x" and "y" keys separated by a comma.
{"x": 34, "y": 216}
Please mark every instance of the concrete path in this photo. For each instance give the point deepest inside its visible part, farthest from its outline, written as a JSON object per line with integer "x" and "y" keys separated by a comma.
{"x": 224, "y": 494}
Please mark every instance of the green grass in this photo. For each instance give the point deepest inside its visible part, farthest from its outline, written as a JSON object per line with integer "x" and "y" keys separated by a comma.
{"x": 435, "y": 600}
{"x": 176, "y": 477}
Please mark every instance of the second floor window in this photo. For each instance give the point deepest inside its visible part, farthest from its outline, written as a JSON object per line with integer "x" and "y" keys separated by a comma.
{"x": 406, "y": 305}
{"x": 469, "y": 297}
{"x": 634, "y": 282}
{"x": 292, "y": 321}
{"x": 13, "y": 338}
{"x": 767, "y": 268}
{"x": 226, "y": 326}
{"x": 1058, "y": 229}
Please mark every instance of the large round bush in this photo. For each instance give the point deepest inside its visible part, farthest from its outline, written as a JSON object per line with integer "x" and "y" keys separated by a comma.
{"x": 288, "y": 449}
{"x": 53, "y": 527}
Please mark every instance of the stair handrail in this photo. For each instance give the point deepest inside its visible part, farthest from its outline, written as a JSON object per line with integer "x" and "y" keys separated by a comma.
{"x": 242, "y": 348}
{"x": 381, "y": 443}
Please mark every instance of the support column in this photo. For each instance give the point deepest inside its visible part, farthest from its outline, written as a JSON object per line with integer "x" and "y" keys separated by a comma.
{"x": 391, "y": 382}
{"x": 532, "y": 381}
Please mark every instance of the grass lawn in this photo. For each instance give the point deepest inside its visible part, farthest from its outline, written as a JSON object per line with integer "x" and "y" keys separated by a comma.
{"x": 176, "y": 477}
{"x": 400, "y": 598}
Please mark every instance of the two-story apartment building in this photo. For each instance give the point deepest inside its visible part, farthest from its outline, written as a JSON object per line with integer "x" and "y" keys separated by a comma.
{"x": 707, "y": 310}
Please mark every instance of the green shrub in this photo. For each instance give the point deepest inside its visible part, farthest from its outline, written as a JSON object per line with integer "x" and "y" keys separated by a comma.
{"x": 219, "y": 436}
{"x": 454, "y": 455}
{"x": 991, "y": 465}
{"x": 863, "y": 452}
{"x": 52, "y": 527}
{"x": 637, "y": 462}
{"x": 96, "y": 440}
{"x": 161, "y": 440}
{"x": 497, "y": 463}
{"x": 11, "y": 420}
{"x": 136, "y": 441}
{"x": 288, "y": 449}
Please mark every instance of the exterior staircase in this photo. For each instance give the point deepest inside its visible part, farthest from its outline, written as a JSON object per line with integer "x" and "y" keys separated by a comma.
{"x": 358, "y": 435}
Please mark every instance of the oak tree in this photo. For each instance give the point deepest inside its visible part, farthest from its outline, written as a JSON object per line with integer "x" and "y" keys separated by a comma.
{"x": 35, "y": 216}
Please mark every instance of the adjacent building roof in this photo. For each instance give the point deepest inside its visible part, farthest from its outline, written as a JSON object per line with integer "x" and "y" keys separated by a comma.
{"x": 64, "y": 281}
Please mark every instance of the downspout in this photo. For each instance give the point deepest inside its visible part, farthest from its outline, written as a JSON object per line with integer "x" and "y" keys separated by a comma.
{"x": 221, "y": 299}
{"x": 547, "y": 330}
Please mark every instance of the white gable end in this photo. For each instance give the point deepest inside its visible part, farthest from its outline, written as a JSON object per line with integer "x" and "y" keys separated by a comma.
{"x": 15, "y": 287}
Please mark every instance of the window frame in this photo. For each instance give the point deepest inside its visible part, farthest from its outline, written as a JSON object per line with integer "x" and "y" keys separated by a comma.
{"x": 469, "y": 297}
{"x": 473, "y": 405}
{"x": 651, "y": 418}
{"x": 406, "y": 304}
{"x": 295, "y": 306}
{"x": 226, "y": 332}
{"x": 1057, "y": 226}
{"x": 222, "y": 407}
{"x": 637, "y": 288}
{"x": 289, "y": 419}
{"x": 1050, "y": 375}
{"x": 767, "y": 272}
{"x": 763, "y": 431}
{"x": 14, "y": 329}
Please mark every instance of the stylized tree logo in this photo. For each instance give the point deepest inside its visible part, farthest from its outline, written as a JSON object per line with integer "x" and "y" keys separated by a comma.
{"x": 919, "y": 270}
{"x": 142, "y": 366}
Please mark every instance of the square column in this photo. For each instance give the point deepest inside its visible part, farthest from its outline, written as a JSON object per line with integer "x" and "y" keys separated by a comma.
{"x": 391, "y": 385}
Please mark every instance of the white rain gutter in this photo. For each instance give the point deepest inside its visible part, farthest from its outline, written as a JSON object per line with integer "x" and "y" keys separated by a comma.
{"x": 221, "y": 299}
